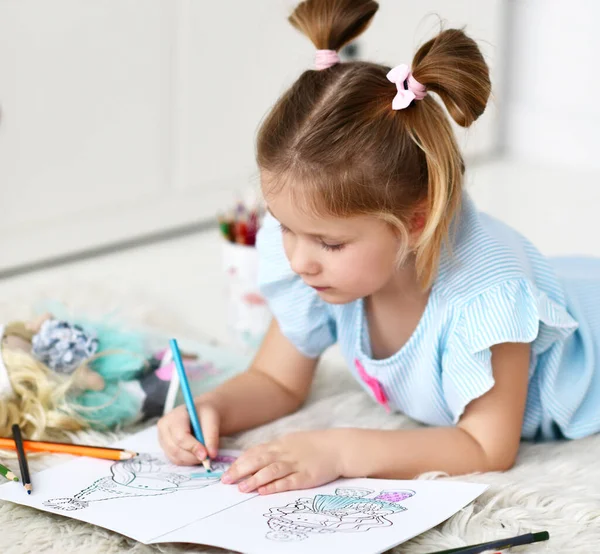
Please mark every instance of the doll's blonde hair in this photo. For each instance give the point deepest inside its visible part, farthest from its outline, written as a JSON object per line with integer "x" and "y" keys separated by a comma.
{"x": 39, "y": 401}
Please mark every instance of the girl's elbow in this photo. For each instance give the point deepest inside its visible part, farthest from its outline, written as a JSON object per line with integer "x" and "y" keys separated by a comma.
{"x": 500, "y": 461}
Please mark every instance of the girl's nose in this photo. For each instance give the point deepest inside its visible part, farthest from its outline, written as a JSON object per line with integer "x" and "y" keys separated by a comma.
{"x": 302, "y": 261}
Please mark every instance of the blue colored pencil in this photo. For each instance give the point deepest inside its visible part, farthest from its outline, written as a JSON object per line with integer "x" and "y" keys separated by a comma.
{"x": 187, "y": 396}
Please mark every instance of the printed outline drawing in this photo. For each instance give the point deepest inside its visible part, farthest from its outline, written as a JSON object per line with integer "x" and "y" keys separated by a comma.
{"x": 349, "y": 510}
{"x": 144, "y": 475}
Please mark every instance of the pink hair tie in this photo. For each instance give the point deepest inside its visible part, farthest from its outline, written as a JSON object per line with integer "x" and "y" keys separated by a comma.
{"x": 401, "y": 75}
{"x": 326, "y": 58}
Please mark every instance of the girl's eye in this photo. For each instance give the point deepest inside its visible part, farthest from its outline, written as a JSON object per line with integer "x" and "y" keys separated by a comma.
{"x": 332, "y": 247}
{"x": 283, "y": 228}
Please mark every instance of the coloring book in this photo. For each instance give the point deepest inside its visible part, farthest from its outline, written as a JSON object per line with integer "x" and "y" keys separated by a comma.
{"x": 153, "y": 501}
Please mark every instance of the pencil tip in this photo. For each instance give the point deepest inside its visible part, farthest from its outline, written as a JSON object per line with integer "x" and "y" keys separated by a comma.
{"x": 128, "y": 455}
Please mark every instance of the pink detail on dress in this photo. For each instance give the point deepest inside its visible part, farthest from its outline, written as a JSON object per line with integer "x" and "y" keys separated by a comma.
{"x": 373, "y": 384}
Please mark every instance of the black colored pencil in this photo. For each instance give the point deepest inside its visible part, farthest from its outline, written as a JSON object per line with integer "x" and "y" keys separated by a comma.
{"x": 22, "y": 458}
{"x": 499, "y": 544}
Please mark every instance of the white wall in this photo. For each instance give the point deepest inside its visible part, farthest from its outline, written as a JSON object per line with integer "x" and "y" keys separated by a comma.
{"x": 553, "y": 108}
{"x": 127, "y": 117}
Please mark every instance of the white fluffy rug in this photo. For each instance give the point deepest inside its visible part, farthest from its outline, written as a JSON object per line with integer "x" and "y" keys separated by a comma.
{"x": 553, "y": 487}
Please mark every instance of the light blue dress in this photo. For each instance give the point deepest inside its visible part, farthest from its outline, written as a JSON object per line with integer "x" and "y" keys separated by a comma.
{"x": 493, "y": 286}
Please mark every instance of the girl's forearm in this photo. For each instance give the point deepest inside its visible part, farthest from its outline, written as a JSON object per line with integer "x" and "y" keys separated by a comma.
{"x": 404, "y": 454}
{"x": 250, "y": 399}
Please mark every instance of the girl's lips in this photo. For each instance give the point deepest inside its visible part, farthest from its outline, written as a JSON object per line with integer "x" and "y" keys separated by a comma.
{"x": 320, "y": 288}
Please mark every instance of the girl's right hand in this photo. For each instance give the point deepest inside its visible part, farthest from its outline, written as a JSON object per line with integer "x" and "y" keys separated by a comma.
{"x": 177, "y": 441}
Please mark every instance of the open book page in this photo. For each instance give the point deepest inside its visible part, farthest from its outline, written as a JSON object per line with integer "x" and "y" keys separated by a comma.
{"x": 153, "y": 501}
{"x": 142, "y": 498}
{"x": 351, "y": 516}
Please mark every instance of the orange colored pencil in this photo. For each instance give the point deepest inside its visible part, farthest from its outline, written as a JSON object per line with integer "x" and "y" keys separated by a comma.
{"x": 102, "y": 452}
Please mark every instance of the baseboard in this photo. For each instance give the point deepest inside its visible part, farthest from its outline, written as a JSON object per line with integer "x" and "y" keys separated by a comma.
{"x": 109, "y": 229}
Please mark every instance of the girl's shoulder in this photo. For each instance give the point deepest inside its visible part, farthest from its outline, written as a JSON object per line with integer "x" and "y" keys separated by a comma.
{"x": 484, "y": 255}
{"x": 499, "y": 288}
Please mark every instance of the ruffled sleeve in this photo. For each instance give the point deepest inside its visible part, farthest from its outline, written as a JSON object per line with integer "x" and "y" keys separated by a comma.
{"x": 302, "y": 316}
{"x": 513, "y": 311}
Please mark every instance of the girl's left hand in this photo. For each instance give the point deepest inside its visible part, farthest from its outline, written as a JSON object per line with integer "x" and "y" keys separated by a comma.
{"x": 297, "y": 461}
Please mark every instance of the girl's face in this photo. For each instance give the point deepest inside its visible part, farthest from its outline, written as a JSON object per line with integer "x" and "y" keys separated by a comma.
{"x": 343, "y": 259}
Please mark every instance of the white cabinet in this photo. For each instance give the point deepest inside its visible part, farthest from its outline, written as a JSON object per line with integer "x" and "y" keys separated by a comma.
{"x": 85, "y": 93}
{"x": 122, "y": 118}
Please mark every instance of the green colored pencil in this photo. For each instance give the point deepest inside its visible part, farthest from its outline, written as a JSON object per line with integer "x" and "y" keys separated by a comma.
{"x": 8, "y": 473}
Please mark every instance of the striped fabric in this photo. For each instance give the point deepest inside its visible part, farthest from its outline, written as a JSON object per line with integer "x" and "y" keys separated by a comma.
{"x": 493, "y": 287}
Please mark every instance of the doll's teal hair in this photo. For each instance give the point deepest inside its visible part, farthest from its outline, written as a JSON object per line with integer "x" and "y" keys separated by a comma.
{"x": 122, "y": 358}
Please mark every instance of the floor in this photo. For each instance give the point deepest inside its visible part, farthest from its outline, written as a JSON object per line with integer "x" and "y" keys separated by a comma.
{"x": 181, "y": 277}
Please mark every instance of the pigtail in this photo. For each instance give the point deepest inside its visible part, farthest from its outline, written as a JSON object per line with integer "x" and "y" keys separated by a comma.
{"x": 330, "y": 25}
{"x": 452, "y": 66}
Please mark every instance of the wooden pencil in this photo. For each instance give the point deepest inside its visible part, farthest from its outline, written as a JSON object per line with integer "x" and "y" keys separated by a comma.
{"x": 102, "y": 452}
{"x": 24, "y": 466}
{"x": 503, "y": 544}
{"x": 188, "y": 399}
{"x": 8, "y": 473}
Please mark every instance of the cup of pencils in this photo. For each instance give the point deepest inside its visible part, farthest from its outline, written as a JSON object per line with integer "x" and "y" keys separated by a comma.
{"x": 248, "y": 316}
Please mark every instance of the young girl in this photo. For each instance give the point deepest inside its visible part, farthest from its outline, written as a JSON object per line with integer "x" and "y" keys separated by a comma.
{"x": 441, "y": 312}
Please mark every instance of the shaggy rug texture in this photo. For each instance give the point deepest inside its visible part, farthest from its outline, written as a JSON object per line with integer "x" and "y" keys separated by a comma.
{"x": 553, "y": 487}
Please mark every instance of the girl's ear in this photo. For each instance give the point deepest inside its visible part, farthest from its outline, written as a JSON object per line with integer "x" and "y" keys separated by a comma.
{"x": 417, "y": 222}
{"x": 418, "y": 219}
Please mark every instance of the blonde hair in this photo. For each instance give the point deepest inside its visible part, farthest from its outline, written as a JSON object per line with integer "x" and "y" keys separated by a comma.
{"x": 334, "y": 141}
{"x": 39, "y": 403}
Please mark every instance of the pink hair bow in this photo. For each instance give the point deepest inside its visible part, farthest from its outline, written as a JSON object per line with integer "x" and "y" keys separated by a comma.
{"x": 415, "y": 91}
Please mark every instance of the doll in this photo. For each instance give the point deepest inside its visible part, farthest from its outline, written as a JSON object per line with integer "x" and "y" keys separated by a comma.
{"x": 58, "y": 376}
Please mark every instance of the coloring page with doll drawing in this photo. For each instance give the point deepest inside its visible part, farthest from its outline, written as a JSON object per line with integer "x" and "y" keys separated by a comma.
{"x": 152, "y": 500}
{"x": 142, "y": 498}
{"x": 348, "y": 510}
{"x": 144, "y": 475}
{"x": 354, "y": 516}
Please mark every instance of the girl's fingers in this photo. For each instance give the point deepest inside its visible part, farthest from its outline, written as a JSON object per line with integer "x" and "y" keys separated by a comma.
{"x": 273, "y": 472}
{"x": 248, "y": 463}
{"x": 288, "y": 483}
{"x": 175, "y": 454}
{"x": 176, "y": 440}
{"x": 209, "y": 420}
{"x": 184, "y": 440}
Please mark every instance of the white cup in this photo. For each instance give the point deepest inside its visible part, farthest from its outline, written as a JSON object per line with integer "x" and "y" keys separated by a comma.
{"x": 248, "y": 316}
